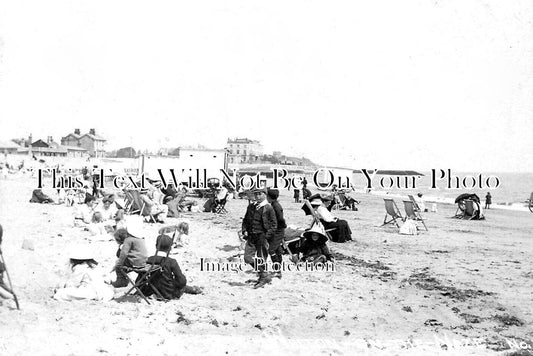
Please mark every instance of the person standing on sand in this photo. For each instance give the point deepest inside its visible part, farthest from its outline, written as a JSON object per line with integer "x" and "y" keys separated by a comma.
{"x": 261, "y": 225}
{"x": 488, "y": 200}
{"x": 274, "y": 245}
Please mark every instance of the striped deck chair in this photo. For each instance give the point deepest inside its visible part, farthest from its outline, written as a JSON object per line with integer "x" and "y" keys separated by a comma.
{"x": 143, "y": 209}
{"x": 392, "y": 210}
{"x": 412, "y": 213}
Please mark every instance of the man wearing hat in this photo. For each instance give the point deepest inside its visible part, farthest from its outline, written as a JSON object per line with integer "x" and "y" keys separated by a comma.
{"x": 259, "y": 227}
{"x": 274, "y": 245}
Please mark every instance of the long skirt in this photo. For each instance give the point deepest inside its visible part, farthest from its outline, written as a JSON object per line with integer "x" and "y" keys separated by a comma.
{"x": 340, "y": 232}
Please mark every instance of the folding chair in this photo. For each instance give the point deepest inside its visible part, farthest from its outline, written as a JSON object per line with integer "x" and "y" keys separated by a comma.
{"x": 393, "y": 211}
{"x": 293, "y": 241}
{"x": 220, "y": 208}
{"x": 411, "y": 212}
{"x": 470, "y": 212}
{"x": 130, "y": 207}
{"x": 145, "y": 276}
{"x": 143, "y": 209}
{"x": 415, "y": 204}
{"x": 316, "y": 218}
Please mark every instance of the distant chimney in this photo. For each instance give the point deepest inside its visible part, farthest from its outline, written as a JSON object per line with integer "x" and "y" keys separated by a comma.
{"x": 49, "y": 140}
{"x": 92, "y": 131}
{"x": 76, "y": 131}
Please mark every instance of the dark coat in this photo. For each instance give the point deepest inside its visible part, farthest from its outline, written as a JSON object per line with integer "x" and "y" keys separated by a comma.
{"x": 170, "y": 281}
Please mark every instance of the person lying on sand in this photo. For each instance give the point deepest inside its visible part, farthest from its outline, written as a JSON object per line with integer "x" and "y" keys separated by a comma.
{"x": 84, "y": 281}
{"x": 171, "y": 282}
{"x": 37, "y": 196}
{"x": 131, "y": 253}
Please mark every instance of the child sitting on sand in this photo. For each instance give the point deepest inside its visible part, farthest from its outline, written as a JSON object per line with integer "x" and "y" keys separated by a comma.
{"x": 97, "y": 228}
{"x": 182, "y": 234}
{"x": 84, "y": 282}
{"x": 171, "y": 282}
{"x": 314, "y": 248}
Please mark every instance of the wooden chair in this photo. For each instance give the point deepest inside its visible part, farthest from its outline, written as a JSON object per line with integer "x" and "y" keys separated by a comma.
{"x": 392, "y": 210}
{"x": 412, "y": 213}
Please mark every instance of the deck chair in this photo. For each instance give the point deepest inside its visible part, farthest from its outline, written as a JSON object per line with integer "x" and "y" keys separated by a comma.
{"x": 412, "y": 213}
{"x": 220, "y": 207}
{"x": 143, "y": 209}
{"x": 291, "y": 242}
{"x": 415, "y": 204}
{"x": 146, "y": 275}
{"x": 392, "y": 210}
{"x": 130, "y": 205}
{"x": 470, "y": 212}
{"x": 316, "y": 218}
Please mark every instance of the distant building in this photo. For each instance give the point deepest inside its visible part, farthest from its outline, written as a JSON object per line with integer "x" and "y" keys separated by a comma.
{"x": 9, "y": 147}
{"x": 49, "y": 148}
{"x": 93, "y": 143}
{"x": 244, "y": 150}
{"x": 187, "y": 163}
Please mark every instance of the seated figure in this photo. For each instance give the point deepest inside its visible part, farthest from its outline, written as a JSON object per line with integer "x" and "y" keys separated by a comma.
{"x": 314, "y": 248}
{"x": 170, "y": 282}
{"x": 84, "y": 281}
{"x": 152, "y": 206}
{"x": 339, "y": 229}
{"x": 131, "y": 253}
{"x": 37, "y": 196}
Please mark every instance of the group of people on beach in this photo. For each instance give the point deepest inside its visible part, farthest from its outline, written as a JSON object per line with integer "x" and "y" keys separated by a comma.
{"x": 264, "y": 225}
{"x": 104, "y": 216}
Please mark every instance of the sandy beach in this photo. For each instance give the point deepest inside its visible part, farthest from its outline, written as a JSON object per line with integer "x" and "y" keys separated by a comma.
{"x": 463, "y": 287}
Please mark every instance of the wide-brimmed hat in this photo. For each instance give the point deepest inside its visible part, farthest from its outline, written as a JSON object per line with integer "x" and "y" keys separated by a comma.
{"x": 315, "y": 201}
{"x": 81, "y": 252}
{"x": 135, "y": 228}
{"x": 316, "y": 229}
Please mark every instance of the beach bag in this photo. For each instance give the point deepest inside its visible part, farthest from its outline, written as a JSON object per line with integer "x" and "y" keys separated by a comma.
{"x": 409, "y": 228}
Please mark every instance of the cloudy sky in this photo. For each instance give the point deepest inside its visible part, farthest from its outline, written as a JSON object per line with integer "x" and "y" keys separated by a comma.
{"x": 378, "y": 84}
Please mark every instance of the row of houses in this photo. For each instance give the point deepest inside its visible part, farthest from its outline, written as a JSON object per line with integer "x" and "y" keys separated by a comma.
{"x": 90, "y": 144}
{"x": 74, "y": 145}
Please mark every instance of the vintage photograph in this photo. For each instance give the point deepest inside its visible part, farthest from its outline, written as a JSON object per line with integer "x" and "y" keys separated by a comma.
{"x": 252, "y": 178}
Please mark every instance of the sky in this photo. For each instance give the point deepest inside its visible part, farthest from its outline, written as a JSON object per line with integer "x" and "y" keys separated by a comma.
{"x": 388, "y": 84}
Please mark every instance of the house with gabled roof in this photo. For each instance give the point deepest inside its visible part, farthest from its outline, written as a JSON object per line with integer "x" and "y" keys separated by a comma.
{"x": 93, "y": 143}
